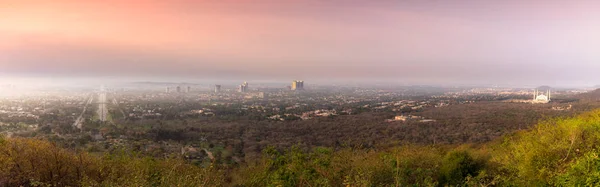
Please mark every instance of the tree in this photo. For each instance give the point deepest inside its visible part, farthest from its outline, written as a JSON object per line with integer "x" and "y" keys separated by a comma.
{"x": 456, "y": 166}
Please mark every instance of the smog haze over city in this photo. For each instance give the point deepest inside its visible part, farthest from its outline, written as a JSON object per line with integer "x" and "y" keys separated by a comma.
{"x": 408, "y": 42}
{"x": 299, "y": 93}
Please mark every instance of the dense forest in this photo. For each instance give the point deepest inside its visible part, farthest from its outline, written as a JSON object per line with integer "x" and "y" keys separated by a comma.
{"x": 455, "y": 124}
{"x": 556, "y": 152}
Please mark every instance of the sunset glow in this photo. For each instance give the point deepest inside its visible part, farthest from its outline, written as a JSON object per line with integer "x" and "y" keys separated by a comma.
{"x": 320, "y": 39}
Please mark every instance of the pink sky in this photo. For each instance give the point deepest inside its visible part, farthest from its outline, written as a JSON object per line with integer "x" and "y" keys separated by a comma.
{"x": 450, "y": 41}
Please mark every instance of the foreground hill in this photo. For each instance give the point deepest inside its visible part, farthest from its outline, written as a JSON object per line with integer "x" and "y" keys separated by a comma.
{"x": 560, "y": 152}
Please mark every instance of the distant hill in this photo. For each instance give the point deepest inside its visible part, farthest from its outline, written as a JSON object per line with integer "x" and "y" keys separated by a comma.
{"x": 163, "y": 83}
{"x": 544, "y": 88}
{"x": 590, "y": 96}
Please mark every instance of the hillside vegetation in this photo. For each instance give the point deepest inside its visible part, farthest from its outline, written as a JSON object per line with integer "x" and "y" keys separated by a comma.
{"x": 589, "y": 96}
{"x": 558, "y": 152}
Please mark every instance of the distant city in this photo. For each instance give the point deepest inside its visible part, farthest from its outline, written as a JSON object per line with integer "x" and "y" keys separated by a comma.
{"x": 233, "y": 123}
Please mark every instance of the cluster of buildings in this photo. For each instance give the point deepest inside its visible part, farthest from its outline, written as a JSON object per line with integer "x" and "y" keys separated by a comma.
{"x": 178, "y": 89}
{"x": 562, "y": 108}
{"x": 203, "y": 111}
{"x": 404, "y": 118}
{"x": 243, "y": 87}
{"x": 318, "y": 113}
{"x": 297, "y": 85}
{"x": 19, "y": 112}
{"x": 306, "y": 115}
{"x": 140, "y": 112}
{"x": 256, "y": 95}
{"x": 401, "y": 105}
{"x": 538, "y": 98}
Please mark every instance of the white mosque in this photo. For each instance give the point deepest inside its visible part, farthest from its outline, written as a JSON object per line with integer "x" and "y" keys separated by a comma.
{"x": 540, "y": 97}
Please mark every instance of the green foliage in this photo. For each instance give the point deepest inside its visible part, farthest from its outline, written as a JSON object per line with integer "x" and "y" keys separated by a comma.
{"x": 349, "y": 167}
{"x": 562, "y": 152}
{"x": 584, "y": 172}
{"x": 294, "y": 168}
{"x": 416, "y": 165}
{"x": 539, "y": 156}
{"x": 456, "y": 166}
{"x": 556, "y": 152}
{"x": 30, "y": 162}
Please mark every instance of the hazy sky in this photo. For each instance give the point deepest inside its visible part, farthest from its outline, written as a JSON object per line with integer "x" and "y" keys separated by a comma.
{"x": 421, "y": 41}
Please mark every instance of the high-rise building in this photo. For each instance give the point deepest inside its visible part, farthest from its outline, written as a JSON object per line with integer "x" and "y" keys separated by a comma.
{"x": 243, "y": 87}
{"x": 178, "y": 89}
{"x": 297, "y": 85}
{"x": 167, "y": 90}
{"x": 187, "y": 90}
{"x": 217, "y": 88}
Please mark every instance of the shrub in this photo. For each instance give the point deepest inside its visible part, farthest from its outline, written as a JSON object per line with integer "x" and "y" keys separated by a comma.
{"x": 456, "y": 166}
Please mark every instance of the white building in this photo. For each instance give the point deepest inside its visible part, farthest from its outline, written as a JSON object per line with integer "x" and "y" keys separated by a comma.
{"x": 540, "y": 97}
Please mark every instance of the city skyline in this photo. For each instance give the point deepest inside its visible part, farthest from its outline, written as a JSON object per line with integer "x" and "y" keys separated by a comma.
{"x": 463, "y": 42}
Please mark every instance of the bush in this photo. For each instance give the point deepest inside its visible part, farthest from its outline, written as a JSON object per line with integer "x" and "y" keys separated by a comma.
{"x": 541, "y": 155}
{"x": 456, "y": 166}
{"x": 30, "y": 162}
{"x": 561, "y": 152}
{"x": 584, "y": 172}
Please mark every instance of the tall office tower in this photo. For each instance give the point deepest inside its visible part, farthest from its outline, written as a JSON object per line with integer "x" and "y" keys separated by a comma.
{"x": 301, "y": 85}
{"x": 217, "y": 88}
{"x": 297, "y": 85}
{"x": 167, "y": 90}
{"x": 243, "y": 87}
{"x": 294, "y": 85}
{"x": 178, "y": 89}
{"x": 187, "y": 90}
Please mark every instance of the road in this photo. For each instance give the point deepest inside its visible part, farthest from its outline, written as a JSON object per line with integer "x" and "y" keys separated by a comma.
{"x": 102, "y": 110}
{"x": 79, "y": 122}
{"x": 116, "y": 104}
